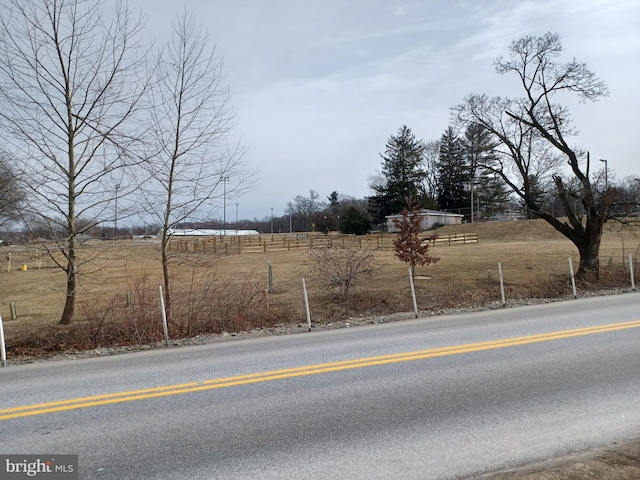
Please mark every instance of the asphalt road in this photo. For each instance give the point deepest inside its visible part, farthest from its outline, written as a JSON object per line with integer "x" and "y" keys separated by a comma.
{"x": 440, "y": 397}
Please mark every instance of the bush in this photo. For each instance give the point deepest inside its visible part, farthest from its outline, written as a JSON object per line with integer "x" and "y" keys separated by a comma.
{"x": 341, "y": 268}
{"x": 354, "y": 221}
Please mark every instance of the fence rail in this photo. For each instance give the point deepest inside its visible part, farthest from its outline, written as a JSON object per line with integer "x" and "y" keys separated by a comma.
{"x": 292, "y": 242}
{"x": 454, "y": 238}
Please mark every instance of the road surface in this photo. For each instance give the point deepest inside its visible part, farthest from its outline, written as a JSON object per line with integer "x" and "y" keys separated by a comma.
{"x": 432, "y": 398}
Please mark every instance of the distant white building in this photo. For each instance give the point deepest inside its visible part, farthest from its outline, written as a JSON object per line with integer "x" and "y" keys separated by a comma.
{"x": 430, "y": 219}
{"x": 206, "y": 232}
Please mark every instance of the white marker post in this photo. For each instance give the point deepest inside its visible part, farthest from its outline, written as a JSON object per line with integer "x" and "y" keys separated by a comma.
{"x": 573, "y": 279}
{"x": 504, "y": 302}
{"x": 633, "y": 282}
{"x": 164, "y": 319}
{"x": 306, "y": 303}
{"x": 3, "y": 350}
{"x": 413, "y": 293}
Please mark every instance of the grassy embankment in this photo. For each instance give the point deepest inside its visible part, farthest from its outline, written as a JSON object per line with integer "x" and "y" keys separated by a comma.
{"x": 118, "y": 296}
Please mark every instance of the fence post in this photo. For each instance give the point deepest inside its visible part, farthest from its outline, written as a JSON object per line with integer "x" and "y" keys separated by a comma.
{"x": 3, "y": 350}
{"x": 413, "y": 293}
{"x": 164, "y": 319}
{"x": 573, "y": 280}
{"x": 306, "y": 303}
{"x": 504, "y": 302}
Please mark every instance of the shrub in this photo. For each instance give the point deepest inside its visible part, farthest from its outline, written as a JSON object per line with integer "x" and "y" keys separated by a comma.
{"x": 340, "y": 268}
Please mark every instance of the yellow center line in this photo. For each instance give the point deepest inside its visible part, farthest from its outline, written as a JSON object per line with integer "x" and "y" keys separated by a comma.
{"x": 148, "y": 393}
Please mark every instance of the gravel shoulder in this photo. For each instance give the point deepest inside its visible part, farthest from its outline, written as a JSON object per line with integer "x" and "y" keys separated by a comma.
{"x": 620, "y": 461}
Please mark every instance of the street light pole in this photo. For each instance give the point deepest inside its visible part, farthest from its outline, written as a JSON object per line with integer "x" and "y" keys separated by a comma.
{"x": 237, "y": 218}
{"x": 606, "y": 173}
{"x": 115, "y": 220}
{"x": 224, "y": 205}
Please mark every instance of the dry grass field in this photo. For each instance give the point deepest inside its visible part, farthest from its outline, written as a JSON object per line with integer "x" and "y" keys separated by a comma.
{"x": 118, "y": 296}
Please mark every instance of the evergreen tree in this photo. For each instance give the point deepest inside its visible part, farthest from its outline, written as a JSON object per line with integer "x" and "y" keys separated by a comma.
{"x": 333, "y": 199}
{"x": 537, "y": 193}
{"x": 402, "y": 175}
{"x": 354, "y": 221}
{"x": 453, "y": 174}
{"x": 479, "y": 145}
{"x": 491, "y": 195}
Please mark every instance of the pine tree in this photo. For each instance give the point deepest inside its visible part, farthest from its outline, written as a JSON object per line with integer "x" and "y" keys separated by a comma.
{"x": 453, "y": 173}
{"x": 479, "y": 145}
{"x": 333, "y": 199}
{"x": 491, "y": 195}
{"x": 401, "y": 176}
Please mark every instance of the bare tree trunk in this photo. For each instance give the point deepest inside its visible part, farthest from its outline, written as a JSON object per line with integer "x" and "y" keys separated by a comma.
{"x": 590, "y": 255}
{"x": 586, "y": 238}
{"x": 70, "y": 300}
{"x": 165, "y": 275}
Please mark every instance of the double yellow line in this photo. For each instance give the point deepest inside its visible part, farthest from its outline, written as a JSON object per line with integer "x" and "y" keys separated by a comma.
{"x": 147, "y": 393}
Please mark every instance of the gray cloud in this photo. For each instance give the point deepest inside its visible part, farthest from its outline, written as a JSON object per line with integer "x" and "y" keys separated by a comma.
{"x": 320, "y": 85}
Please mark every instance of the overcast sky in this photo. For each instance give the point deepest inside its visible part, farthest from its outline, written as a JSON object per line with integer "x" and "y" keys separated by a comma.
{"x": 320, "y": 85}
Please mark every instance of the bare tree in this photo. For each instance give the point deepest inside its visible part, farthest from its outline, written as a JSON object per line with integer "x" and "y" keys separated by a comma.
{"x": 69, "y": 85}
{"x": 12, "y": 196}
{"x": 628, "y": 198}
{"x": 304, "y": 209}
{"x": 519, "y": 124}
{"x": 193, "y": 166}
{"x": 429, "y": 184}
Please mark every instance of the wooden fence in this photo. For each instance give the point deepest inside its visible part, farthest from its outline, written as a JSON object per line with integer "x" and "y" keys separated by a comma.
{"x": 455, "y": 238}
{"x": 290, "y": 242}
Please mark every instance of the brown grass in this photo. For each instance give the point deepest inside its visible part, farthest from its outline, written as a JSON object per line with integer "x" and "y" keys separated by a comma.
{"x": 118, "y": 296}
